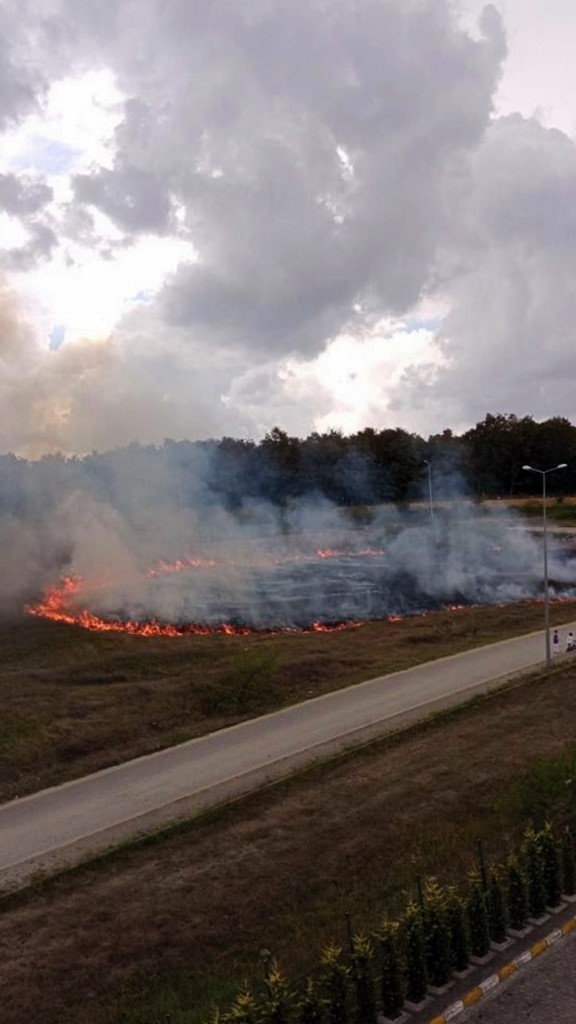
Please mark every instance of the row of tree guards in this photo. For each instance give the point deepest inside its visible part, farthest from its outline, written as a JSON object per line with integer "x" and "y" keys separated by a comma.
{"x": 441, "y": 932}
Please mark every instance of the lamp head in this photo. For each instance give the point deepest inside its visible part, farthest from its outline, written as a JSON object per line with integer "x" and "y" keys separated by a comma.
{"x": 527, "y": 467}
{"x": 562, "y": 465}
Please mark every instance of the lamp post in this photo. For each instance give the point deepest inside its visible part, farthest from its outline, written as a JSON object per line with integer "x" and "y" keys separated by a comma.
{"x": 429, "y": 467}
{"x": 544, "y": 473}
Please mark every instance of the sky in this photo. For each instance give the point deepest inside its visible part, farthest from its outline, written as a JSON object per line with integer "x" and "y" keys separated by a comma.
{"x": 329, "y": 214}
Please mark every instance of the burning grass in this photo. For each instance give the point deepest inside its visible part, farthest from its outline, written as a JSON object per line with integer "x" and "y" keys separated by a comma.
{"x": 73, "y": 701}
{"x": 281, "y": 868}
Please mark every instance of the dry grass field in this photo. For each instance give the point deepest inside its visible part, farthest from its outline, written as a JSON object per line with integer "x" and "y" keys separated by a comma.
{"x": 170, "y": 925}
{"x": 73, "y": 701}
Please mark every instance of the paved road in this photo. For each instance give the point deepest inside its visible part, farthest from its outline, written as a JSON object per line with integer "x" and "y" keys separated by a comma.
{"x": 544, "y": 993}
{"x": 61, "y": 825}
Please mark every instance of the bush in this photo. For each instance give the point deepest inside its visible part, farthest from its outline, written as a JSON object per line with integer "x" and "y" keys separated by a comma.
{"x": 534, "y": 873}
{"x": 336, "y": 976}
{"x": 391, "y": 968}
{"x": 497, "y": 915}
{"x": 363, "y": 974}
{"x": 438, "y": 958}
{"x": 550, "y": 866}
{"x": 310, "y": 1010}
{"x": 456, "y": 921}
{"x": 244, "y": 1009}
{"x": 416, "y": 970}
{"x": 568, "y": 863}
{"x": 517, "y": 895}
{"x": 478, "y": 919}
{"x": 274, "y": 1006}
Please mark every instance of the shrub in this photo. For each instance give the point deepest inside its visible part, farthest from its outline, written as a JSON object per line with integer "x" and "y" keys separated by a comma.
{"x": 336, "y": 976}
{"x": 568, "y": 863}
{"x": 244, "y": 1009}
{"x": 438, "y": 959}
{"x": 497, "y": 910}
{"x": 362, "y": 970}
{"x": 478, "y": 919}
{"x": 416, "y": 970}
{"x": 456, "y": 921}
{"x": 535, "y": 875}
{"x": 310, "y": 1010}
{"x": 274, "y": 1006}
{"x": 517, "y": 895}
{"x": 391, "y": 968}
{"x": 550, "y": 866}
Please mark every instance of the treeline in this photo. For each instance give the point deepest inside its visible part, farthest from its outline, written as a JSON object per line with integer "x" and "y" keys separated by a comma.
{"x": 365, "y": 468}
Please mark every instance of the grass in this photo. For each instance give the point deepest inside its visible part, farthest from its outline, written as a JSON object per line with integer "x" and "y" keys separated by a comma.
{"x": 73, "y": 701}
{"x": 281, "y": 868}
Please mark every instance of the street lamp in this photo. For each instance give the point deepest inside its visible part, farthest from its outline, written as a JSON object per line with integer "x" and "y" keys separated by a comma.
{"x": 544, "y": 473}
{"x": 429, "y": 467}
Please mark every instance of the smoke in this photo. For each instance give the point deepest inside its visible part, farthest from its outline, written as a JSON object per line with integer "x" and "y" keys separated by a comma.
{"x": 265, "y": 567}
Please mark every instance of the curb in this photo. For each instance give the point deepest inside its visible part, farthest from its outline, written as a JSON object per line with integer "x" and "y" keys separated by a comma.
{"x": 490, "y": 983}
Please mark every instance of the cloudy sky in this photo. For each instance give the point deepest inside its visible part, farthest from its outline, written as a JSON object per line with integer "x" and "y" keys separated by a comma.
{"x": 221, "y": 215}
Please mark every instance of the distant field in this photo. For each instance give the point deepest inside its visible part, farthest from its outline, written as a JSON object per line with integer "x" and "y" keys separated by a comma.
{"x": 74, "y": 701}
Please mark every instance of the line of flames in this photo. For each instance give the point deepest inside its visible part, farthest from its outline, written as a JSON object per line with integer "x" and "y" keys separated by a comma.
{"x": 183, "y": 564}
{"x": 56, "y": 607}
{"x": 58, "y": 601}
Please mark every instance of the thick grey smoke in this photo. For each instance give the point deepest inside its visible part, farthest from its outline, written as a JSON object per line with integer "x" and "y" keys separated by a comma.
{"x": 270, "y": 568}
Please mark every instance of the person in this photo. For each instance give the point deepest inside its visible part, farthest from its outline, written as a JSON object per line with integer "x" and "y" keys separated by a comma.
{"x": 570, "y": 642}
{"x": 555, "y": 642}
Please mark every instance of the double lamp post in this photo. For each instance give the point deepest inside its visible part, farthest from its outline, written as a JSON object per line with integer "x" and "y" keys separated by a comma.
{"x": 544, "y": 473}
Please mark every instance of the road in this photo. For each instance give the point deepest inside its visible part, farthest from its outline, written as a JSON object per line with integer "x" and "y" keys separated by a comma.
{"x": 61, "y": 826}
{"x": 544, "y": 993}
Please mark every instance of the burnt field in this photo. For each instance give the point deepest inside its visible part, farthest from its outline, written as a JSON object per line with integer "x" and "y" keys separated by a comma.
{"x": 292, "y": 583}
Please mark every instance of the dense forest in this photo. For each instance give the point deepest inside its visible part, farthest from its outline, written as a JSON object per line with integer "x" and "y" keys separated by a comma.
{"x": 368, "y": 467}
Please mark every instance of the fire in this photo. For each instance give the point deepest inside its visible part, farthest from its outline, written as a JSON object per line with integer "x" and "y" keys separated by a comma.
{"x": 183, "y": 564}
{"x": 58, "y": 606}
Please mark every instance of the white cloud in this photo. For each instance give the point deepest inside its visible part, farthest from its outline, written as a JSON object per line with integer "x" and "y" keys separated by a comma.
{"x": 232, "y": 197}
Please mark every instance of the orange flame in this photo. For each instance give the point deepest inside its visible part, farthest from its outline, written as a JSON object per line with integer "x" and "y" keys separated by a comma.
{"x": 56, "y": 606}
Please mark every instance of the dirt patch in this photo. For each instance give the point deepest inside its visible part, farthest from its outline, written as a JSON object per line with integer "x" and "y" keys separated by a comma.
{"x": 73, "y": 702}
{"x": 157, "y": 927}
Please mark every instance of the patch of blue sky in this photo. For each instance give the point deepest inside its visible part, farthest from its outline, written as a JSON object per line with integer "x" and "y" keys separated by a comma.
{"x": 415, "y": 323}
{"x": 46, "y": 156}
{"x": 56, "y": 337}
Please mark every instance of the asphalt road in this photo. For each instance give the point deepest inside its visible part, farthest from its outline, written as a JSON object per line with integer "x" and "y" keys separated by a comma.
{"x": 62, "y": 825}
{"x": 545, "y": 993}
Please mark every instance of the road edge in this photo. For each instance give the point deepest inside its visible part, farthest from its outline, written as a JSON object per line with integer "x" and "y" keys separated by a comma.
{"x": 493, "y": 981}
